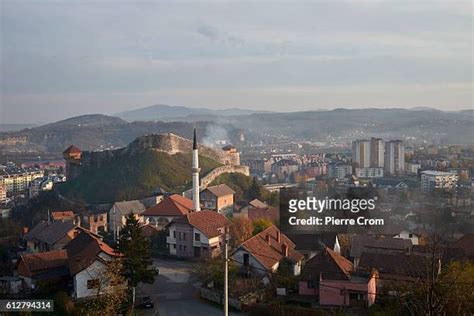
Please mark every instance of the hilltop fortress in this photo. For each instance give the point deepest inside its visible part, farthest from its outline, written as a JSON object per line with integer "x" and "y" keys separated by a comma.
{"x": 78, "y": 161}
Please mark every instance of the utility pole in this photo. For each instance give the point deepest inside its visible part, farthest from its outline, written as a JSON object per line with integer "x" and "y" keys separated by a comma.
{"x": 226, "y": 281}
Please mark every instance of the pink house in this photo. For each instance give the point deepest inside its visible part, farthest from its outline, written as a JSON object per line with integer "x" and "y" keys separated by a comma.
{"x": 330, "y": 278}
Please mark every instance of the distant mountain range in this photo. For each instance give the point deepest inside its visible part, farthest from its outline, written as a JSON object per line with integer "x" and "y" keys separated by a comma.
{"x": 162, "y": 112}
{"x": 97, "y": 131}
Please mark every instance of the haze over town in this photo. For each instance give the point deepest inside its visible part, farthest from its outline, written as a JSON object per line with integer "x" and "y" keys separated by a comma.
{"x": 61, "y": 59}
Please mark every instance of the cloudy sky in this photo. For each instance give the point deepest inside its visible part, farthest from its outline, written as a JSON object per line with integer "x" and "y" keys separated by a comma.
{"x": 64, "y": 58}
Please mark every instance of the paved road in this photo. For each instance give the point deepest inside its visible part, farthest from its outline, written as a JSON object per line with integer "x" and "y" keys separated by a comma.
{"x": 176, "y": 293}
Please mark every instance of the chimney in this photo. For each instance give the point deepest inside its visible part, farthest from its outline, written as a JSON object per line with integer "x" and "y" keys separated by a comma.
{"x": 284, "y": 250}
{"x": 278, "y": 236}
{"x": 267, "y": 238}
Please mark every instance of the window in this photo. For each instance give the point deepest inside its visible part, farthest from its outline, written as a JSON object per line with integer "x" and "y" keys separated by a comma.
{"x": 174, "y": 246}
{"x": 174, "y": 234}
{"x": 197, "y": 237}
{"x": 312, "y": 284}
{"x": 410, "y": 235}
{"x": 246, "y": 259}
{"x": 101, "y": 217}
{"x": 184, "y": 236}
{"x": 356, "y": 296}
{"x": 180, "y": 247}
{"x": 184, "y": 248}
{"x": 93, "y": 284}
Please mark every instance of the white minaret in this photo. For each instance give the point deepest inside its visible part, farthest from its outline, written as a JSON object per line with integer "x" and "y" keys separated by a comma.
{"x": 196, "y": 203}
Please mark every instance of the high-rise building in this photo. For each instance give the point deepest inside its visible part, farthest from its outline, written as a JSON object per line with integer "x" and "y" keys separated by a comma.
{"x": 361, "y": 153}
{"x": 376, "y": 153}
{"x": 394, "y": 163}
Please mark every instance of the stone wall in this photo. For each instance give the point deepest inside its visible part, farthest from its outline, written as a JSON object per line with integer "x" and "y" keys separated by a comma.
{"x": 211, "y": 176}
{"x": 168, "y": 143}
{"x": 238, "y": 303}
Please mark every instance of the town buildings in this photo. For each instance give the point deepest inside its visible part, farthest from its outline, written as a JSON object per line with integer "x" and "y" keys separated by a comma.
{"x": 48, "y": 236}
{"x": 17, "y": 179}
{"x": 172, "y": 207}
{"x": 377, "y": 151}
{"x": 3, "y": 193}
{"x": 82, "y": 262}
{"x": 361, "y": 153}
{"x": 264, "y": 252}
{"x": 219, "y": 198}
{"x": 394, "y": 157}
{"x": 331, "y": 278}
{"x": 197, "y": 234}
{"x": 433, "y": 180}
{"x": 120, "y": 210}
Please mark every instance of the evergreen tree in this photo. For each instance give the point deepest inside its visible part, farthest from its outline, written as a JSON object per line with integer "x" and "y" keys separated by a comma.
{"x": 136, "y": 251}
{"x": 254, "y": 190}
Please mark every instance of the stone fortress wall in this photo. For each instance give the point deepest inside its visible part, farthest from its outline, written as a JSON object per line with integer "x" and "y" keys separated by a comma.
{"x": 169, "y": 143}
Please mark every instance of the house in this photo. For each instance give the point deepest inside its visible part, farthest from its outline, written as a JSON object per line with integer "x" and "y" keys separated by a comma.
{"x": 119, "y": 212}
{"x": 219, "y": 198}
{"x": 197, "y": 234}
{"x": 331, "y": 278}
{"x": 398, "y": 264}
{"x": 313, "y": 244}
{"x": 43, "y": 266}
{"x": 263, "y": 253}
{"x": 87, "y": 259}
{"x": 149, "y": 230}
{"x": 416, "y": 238}
{"x": 50, "y": 236}
{"x": 172, "y": 207}
{"x": 95, "y": 221}
{"x": 82, "y": 262}
{"x": 244, "y": 209}
{"x": 362, "y": 242}
{"x": 466, "y": 243}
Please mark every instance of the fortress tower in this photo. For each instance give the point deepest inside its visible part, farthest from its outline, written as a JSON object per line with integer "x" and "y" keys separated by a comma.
{"x": 196, "y": 203}
{"x": 73, "y": 156}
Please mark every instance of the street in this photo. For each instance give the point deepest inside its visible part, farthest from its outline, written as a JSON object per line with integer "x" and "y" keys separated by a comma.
{"x": 176, "y": 293}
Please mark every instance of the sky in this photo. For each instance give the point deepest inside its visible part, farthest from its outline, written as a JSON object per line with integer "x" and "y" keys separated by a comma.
{"x": 64, "y": 58}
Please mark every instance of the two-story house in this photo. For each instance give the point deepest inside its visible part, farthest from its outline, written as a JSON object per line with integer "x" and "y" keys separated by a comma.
{"x": 198, "y": 234}
{"x": 330, "y": 279}
{"x": 171, "y": 207}
{"x": 264, "y": 252}
{"x": 119, "y": 212}
{"x": 50, "y": 236}
{"x": 219, "y": 198}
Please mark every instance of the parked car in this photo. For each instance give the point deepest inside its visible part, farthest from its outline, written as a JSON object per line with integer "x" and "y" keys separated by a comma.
{"x": 144, "y": 302}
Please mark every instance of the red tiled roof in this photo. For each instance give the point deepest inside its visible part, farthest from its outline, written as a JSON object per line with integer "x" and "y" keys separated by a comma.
{"x": 174, "y": 205}
{"x": 270, "y": 253}
{"x": 59, "y": 215}
{"x": 329, "y": 265}
{"x": 148, "y": 230}
{"x": 33, "y": 263}
{"x": 208, "y": 222}
{"x": 72, "y": 150}
{"x": 84, "y": 250}
{"x": 220, "y": 190}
